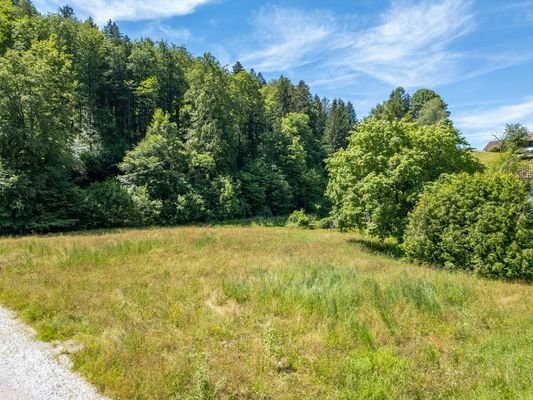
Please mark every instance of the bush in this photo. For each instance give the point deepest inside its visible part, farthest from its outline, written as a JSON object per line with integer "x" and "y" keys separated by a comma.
{"x": 326, "y": 223}
{"x": 299, "y": 218}
{"x": 227, "y": 205}
{"x": 190, "y": 207}
{"x": 109, "y": 204}
{"x": 479, "y": 222}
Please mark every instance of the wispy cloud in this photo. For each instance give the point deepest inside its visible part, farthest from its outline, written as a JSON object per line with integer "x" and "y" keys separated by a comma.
{"x": 479, "y": 124}
{"x": 495, "y": 118}
{"x": 292, "y": 38}
{"x": 126, "y": 10}
{"x": 411, "y": 44}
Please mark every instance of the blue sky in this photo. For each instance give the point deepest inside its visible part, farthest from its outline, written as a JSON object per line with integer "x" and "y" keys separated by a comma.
{"x": 477, "y": 54}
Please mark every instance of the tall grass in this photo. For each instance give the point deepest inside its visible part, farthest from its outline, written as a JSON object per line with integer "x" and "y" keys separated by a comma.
{"x": 268, "y": 313}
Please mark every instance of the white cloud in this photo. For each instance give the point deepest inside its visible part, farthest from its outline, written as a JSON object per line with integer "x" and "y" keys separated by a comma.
{"x": 479, "y": 125}
{"x": 291, "y": 36}
{"x": 494, "y": 119}
{"x": 125, "y": 10}
{"x": 410, "y": 45}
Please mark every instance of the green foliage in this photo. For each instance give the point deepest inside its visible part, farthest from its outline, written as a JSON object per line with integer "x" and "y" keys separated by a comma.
{"x": 35, "y": 137}
{"x": 480, "y": 222}
{"x": 189, "y": 140}
{"x": 228, "y": 205}
{"x": 420, "y": 100}
{"x": 340, "y": 122}
{"x": 515, "y": 136}
{"x": 265, "y": 191}
{"x": 278, "y": 96}
{"x": 158, "y": 165}
{"x": 299, "y": 218}
{"x": 6, "y": 19}
{"x": 213, "y": 129}
{"x": 395, "y": 108}
{"x": 109, "y": 204}
{"x": 183, "y": 182}
{"x": 250, "y": 118}
{"x": 433, "y": 112}
{"x": 300, "y": 160}
{"x": 149, "y": 209}
{"x": 425, "y": 106}
{"x": 376, "y": 181}
{"x": 33, "y": 201}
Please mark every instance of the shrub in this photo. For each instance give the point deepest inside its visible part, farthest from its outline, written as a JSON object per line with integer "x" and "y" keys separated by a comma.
{"x": 109, "y": 204}
{"x": 190, "y": 207}
{"x": 479, "y": 222}
{"x": 227, "y": 205}
{"x": 150, "y": 210}
{"x": 326, "y": 223}
{"x": 299, "y": 218}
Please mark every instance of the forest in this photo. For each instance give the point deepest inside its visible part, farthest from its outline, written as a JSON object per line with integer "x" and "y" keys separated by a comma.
{"x": 98, "y": 131}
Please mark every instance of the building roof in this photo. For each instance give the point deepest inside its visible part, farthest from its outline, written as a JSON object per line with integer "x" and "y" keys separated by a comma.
{"x": 491, "y": 144}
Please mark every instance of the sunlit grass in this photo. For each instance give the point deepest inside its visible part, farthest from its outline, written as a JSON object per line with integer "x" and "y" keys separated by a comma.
{"x": 488, "y": 158}
{"x": 268, "y": 313}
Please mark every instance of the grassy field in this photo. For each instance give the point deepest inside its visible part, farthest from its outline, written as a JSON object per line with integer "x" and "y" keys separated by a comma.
{"x": 268, "y": 313}
{"x": 488, "y": 158}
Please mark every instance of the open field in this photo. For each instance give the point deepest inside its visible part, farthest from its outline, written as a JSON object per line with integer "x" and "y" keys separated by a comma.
{"x": 487, "y": 158}
{"x": 268, "y": 313}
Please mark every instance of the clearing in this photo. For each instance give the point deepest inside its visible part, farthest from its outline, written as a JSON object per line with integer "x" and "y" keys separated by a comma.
{"x": 268, "y": 313}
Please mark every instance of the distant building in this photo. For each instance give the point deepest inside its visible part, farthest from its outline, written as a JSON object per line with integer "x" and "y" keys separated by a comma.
{"x": 493, "y": 145}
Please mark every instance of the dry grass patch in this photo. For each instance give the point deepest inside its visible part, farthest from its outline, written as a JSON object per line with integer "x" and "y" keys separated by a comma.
{"x": 268, "y": 313}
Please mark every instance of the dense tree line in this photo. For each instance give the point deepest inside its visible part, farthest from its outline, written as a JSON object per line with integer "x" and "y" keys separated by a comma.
{"x": 98, "y": 130}
{"x": 90, "y": 118}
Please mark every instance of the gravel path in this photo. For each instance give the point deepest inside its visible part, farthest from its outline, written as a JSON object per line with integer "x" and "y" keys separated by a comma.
{"x": 30, "y": 370}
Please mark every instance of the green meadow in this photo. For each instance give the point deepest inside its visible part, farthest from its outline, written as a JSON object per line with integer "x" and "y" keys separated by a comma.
{"x": 255, "y": 312}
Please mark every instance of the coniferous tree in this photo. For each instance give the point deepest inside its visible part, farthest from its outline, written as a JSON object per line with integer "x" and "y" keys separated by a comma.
{"x": 340, "y": 121}
{"x": 213, "y": 129}
{"x": 395, "y": 107}
{"x": 237, "y": 67}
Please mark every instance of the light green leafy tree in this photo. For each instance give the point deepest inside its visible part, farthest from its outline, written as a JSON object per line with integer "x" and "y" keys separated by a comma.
{"x": 158, "y": 164}
{"x": 433, "y": 112}
{"x": 6, "y": 20}
{"x": 376, "y": 181}
{"x": 36, "y": 134}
